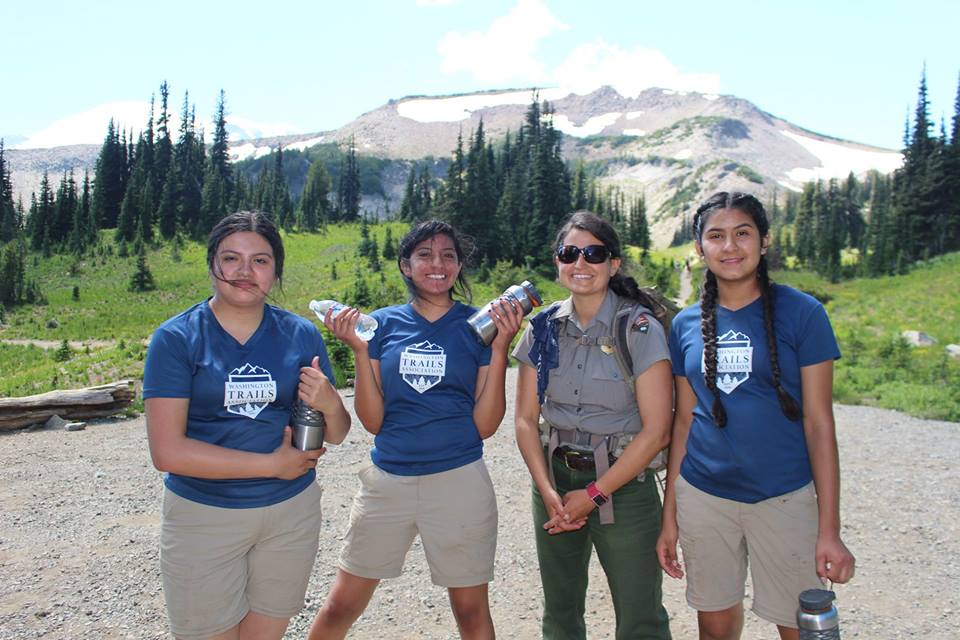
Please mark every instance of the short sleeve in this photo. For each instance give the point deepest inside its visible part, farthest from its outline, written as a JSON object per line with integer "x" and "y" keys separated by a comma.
{"x": 522, "y": 351}
{"x": 648, "y": 343}
{"x": 167, "y": 372}
{"x": 375, "y": 344}
{"x": 817, "y": 342}
{"x": 676, "y": 350}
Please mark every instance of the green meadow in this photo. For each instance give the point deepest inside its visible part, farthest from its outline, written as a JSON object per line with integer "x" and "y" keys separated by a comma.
{"x": 112, "y": 324}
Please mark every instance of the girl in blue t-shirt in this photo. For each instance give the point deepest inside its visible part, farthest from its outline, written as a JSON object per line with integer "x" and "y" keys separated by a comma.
{"x": 241, "y": 508}
{"x": 430, "y": 393}
{"x": 754, "y": 469}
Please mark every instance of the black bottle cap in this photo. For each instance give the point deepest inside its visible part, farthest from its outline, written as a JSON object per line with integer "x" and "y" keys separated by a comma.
{"x": 816, "y": 599}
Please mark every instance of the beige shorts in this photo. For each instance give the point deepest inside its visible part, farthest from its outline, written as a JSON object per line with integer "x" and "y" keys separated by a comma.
{"x": 218, "y": 564}
{"x": 778, "y": 534}
{"x": 455, "y": 513}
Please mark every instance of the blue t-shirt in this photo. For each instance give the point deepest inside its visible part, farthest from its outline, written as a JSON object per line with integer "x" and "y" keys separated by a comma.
{"x": 760, "y": 453}
{"x": 240, "y": 394}
{"x": 429, "y": 376}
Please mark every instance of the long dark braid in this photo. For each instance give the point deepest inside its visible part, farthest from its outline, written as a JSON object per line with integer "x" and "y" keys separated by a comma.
{"x": 788, "y": 405}
{"x": 748, "y": 204}
{"x": 708, "y": 329}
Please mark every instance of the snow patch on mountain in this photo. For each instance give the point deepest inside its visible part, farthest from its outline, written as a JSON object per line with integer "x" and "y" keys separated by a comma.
{"x": 838, "y": 160}
{"x": 458, "y": 108}
{"x": 634, "y": 132}
{"x": 632, "y": 115}
{"x": 591, "y": 127}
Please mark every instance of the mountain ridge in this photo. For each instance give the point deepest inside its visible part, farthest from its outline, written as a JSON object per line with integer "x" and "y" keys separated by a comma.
{"x": 672, "y": 146}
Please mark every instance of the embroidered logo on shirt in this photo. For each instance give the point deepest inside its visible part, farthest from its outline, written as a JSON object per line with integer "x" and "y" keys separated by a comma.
{"x": 248, "y": 390}
{"x": 641, "y": 324}
{"x": 734, "y": 360}
{"x": 423, "y": 365}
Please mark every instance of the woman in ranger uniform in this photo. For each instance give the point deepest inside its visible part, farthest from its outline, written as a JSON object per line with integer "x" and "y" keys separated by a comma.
{"x": 593, "y": 488}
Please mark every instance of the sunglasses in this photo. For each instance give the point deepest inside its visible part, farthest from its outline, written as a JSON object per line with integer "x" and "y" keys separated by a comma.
{"x": 594, "y": 253}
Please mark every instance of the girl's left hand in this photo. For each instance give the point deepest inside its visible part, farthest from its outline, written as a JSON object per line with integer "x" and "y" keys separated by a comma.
{"x": 315, "y": 389}
{"x": 507, "y": 316}
{"x": 578, "y": 505}
{"x": 834, "y": 560}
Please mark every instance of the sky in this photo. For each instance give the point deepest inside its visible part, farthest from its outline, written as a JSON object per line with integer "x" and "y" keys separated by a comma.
{"x": 845, "y": 69}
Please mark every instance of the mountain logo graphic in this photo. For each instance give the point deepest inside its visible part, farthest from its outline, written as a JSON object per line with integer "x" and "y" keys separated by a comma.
{"x": 248, "y": 390}
{"x": 734, "y": 360}
{"x": 423, "y": 365}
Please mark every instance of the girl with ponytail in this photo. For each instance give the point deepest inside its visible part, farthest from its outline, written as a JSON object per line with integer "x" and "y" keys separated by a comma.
{"x": 754, "y": 468}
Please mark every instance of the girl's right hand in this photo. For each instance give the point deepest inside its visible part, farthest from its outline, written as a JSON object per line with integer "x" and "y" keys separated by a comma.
{"x": 289, "y": 463}
{"x": 344, "y": 327}
{"x": 667, "y": 549}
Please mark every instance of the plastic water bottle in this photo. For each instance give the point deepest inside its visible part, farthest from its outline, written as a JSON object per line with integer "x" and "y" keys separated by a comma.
{"x": 366, "y": 326}
{"x": 817, "y": 618}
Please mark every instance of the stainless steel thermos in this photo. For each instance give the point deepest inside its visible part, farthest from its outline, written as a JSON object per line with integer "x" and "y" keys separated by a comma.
{"x": 307, "y": 426}
{"x": 817, "y": 617}
{"x": 526, "y": 296}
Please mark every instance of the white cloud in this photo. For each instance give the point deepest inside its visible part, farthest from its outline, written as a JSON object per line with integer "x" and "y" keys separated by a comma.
{"x": 597, "y": 63}
{"x": 506, "y": 51}
{"x": 436, "y": 3}
{"x": 90, "y": 126}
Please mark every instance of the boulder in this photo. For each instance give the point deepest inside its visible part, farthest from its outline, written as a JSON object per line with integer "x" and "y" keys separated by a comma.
{"x": 918, "y": 339}
{"x": 953, "y": 350}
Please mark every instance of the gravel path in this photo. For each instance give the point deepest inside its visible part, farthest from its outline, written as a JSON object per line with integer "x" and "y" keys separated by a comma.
{"x": 79, "y": 535}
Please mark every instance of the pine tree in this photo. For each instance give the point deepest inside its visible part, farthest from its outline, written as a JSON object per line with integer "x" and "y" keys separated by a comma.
{"x": 314, "y": 201}
{"x": 8, "y": 213}
{"x": 389, "y": 247}
{"x": 348, "y": 186}
{"x": 109, "y": 179}
{"x": 41, "y": 216}
{"x": 218, "y": 178}
{"x": 142, "y": 278}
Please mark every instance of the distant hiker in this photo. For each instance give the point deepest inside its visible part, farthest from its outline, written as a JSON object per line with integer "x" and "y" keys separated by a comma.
{"x": 604, "y": 426}
{"x": 753, "y": 469}
{"x": 241, "y": 507}
{"x": 431, "y": 393}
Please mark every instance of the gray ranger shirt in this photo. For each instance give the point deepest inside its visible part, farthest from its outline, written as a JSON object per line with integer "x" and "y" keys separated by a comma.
{"x": 587, "y": 391}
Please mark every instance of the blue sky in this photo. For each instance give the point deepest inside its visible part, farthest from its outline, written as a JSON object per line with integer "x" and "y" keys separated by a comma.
{"x": 848, "y": 69}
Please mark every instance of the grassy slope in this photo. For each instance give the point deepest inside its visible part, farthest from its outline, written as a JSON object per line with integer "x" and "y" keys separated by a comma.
{"x": 868, "y": 315}
{"x": 107, "y": 311}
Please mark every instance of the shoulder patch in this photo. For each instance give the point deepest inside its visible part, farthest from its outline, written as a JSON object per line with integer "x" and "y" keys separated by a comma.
{"x": 641, "y": 324}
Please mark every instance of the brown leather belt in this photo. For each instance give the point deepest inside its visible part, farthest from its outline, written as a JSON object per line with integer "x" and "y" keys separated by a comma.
{"x": 578, "y": 460}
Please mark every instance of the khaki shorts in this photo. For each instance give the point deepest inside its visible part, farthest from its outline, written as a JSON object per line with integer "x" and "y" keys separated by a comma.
{"x": 218, "y": 564}
{"x": 455, "y": 513}
{"x": 778, "y": 534}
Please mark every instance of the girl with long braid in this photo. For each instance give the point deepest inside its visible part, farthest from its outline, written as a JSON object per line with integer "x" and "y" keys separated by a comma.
{"x": 754, "y": 468}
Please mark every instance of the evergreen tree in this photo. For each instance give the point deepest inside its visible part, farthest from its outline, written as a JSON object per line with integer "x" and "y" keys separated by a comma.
{"x": 218, "y": 185}
{"x": 8, "y": 212}
{"x": 314, "y": 201}
{"x": 41, "y": 216}
{"x": 805, "y": 226}
{"x": 142, "y": 279}
{"x": 348, "y": 186}
{"x": 580, "y": 187}
{"x": 109, "y": 179}
{"x": 389, "y": 247}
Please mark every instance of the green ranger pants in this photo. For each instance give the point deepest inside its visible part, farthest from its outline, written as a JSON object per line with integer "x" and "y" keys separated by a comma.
{"x": 627, "y": 552}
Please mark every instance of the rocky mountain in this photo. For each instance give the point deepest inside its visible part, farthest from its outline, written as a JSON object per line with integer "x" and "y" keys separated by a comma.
{"x": 675, "y": 147}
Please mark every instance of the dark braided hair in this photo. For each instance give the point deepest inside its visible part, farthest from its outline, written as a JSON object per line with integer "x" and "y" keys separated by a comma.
{"x": 749, "y": 205}
{"x": 621, "y": 284}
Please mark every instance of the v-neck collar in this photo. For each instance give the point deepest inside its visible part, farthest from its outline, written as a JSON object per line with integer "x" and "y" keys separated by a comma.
{"x": 254, "y": 337}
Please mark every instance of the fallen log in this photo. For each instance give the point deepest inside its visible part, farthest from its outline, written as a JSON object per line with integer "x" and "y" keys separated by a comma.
{"x": 72, "y": 404}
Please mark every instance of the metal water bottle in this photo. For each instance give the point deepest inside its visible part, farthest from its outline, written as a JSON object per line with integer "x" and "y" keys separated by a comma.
{"x": 817, "y": 617}
{"x": 526, "y": 296}
{"x": 308, "y": 426}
